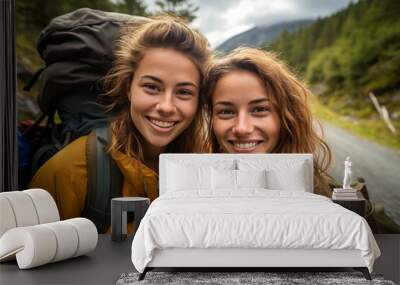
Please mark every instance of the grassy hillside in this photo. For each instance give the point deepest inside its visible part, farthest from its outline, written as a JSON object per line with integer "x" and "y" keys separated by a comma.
{"x": 352, "y": 53}
{"x": 367, "y": 128}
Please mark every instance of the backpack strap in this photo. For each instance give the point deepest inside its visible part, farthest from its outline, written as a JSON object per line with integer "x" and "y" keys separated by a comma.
{"x": 34, "y": 78}
{"x": 104, "y": 179}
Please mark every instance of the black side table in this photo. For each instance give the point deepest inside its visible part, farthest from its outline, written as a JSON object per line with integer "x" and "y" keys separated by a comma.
{"x": 358, "y": 205}
{"x": 119, "y": 208}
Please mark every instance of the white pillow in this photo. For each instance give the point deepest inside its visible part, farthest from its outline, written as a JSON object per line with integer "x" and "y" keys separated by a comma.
{"x": 292, "y": 179}
{"x": 188, "y": 177}
{"x": 223, "y": 179}
{"x": 251, "y": 178}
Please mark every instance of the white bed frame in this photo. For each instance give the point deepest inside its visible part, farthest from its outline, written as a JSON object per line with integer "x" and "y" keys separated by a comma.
{"x": 234, "y": 257}
{"x": 249, "y": 258}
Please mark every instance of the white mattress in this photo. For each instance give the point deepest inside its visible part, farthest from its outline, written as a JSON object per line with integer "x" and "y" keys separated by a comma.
{"x": 252, "y": 218}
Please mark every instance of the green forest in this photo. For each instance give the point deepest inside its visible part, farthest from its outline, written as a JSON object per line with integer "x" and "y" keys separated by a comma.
{"x": 343, "y": 57}
{"x": 348, "y": 55}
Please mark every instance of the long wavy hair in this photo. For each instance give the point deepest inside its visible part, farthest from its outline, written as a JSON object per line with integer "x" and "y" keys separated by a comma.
{"x": 300, "y": 132}
{"x": 161, "y": 32}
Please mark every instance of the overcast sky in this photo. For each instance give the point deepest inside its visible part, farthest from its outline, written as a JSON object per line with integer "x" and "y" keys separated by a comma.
{"x": 221, "y": 19}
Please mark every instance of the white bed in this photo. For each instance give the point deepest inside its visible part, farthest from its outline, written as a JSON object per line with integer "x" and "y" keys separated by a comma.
{"x": 225, "y": 210}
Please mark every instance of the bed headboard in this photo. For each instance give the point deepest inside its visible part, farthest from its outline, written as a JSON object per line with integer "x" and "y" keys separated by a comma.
{"x": 282, "y": 163}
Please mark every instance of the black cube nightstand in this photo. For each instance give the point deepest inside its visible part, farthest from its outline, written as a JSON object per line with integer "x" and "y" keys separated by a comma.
{"x": 358, "y": 205}
{"x": 119, "y": 208}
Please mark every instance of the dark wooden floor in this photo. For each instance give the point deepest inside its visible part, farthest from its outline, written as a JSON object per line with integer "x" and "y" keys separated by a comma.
{"x": 106, "y": 264}
{"x": 389, "y": 262}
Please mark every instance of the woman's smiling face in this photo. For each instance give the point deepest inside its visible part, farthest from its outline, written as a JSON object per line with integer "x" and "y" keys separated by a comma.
{"x": 164, "y": 96}
{"x": 244, "y": 120}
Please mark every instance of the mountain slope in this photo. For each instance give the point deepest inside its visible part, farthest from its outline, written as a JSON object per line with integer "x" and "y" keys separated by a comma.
{"x": 261, "y": 35}
{"x": 353, "y": 52}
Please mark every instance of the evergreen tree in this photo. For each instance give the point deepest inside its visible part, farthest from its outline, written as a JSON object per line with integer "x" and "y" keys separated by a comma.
{"x": 133, "y": 7}
{"x": 181, "y": 8}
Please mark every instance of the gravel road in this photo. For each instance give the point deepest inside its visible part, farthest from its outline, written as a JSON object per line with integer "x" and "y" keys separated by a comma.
{"x": 379, "y": 165}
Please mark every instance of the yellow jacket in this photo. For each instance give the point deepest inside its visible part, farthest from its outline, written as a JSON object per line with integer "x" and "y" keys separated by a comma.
{"x": 65, "y": 177}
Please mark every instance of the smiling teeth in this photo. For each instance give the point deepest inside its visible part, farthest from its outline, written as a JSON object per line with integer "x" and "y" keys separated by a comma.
{"x": 162, "y": 124}
{"x": 245, "y": 145}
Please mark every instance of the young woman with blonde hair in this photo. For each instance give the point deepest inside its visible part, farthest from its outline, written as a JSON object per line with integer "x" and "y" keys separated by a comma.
{"x": 156, "y": 86}
{"x": 256, "y": 105}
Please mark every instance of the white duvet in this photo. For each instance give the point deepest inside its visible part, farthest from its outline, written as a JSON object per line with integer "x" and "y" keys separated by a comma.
{"x": 253, "y": 218}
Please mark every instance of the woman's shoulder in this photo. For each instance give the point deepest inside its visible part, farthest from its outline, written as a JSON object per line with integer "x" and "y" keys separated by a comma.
{"x": 68, "y": 159}
{"x": 71, "y": 154}
{"x": 64, "y": 176}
